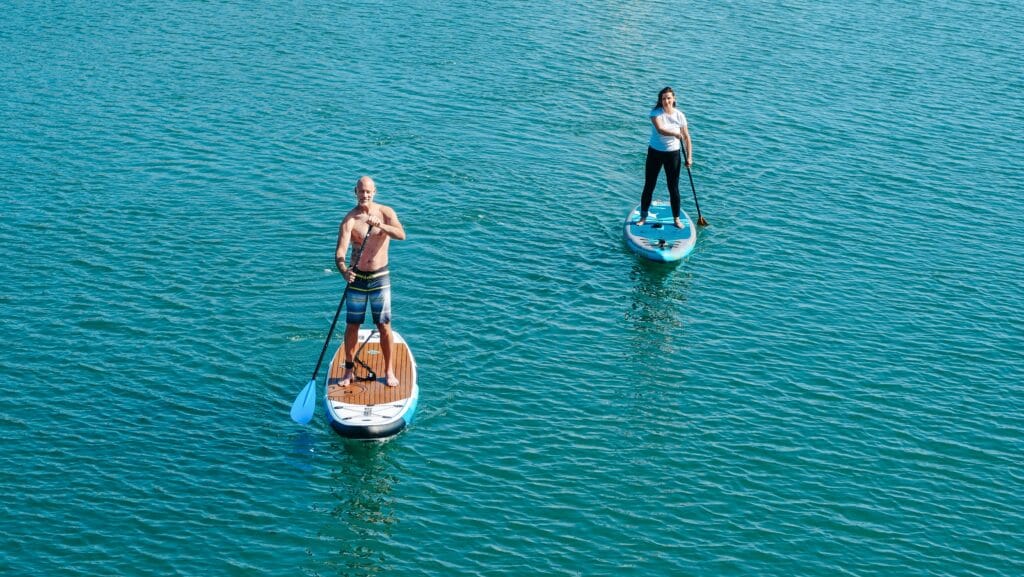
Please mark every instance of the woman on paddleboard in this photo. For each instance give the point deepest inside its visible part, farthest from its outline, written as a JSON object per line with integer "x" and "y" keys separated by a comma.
{"x": 668, "y": 132}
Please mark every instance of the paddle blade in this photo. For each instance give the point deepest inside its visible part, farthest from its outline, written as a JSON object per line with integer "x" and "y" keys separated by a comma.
{"x": 305, "y": 404}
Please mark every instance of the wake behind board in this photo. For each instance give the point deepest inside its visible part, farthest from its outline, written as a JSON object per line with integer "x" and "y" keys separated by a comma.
{"x": 367, "y": 409}
{"x": 659, "y": 239}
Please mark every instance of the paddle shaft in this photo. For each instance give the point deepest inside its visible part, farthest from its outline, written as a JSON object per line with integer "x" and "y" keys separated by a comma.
{"x": 700, "y": 219}
{"x": 337, "y": 313}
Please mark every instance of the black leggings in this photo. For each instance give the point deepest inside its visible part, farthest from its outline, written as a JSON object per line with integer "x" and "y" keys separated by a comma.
{"x": 672, "y": 163}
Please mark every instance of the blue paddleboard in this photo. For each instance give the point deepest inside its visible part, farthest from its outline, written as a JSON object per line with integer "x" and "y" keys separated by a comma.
{"x": 659, "y": 239}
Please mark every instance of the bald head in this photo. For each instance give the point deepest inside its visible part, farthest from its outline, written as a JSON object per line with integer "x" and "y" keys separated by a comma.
{"x": 365, "y": 183}
{"x": 365, "y": 190}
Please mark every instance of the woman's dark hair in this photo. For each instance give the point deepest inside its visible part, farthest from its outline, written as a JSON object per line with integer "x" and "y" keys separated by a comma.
{"x": 662, "y": 93}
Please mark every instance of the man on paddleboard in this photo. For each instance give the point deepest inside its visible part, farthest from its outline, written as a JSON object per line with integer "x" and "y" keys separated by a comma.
{"x": 368, "y": 280}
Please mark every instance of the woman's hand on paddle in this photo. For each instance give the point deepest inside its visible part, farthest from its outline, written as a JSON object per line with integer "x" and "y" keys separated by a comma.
{"x": 689, "y": 162}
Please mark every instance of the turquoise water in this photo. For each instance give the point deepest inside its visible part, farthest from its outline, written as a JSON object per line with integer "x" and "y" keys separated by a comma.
{"x": 830, "y": 384}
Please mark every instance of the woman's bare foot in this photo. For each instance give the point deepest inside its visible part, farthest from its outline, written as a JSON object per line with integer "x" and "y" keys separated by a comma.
{"x": 391, "y": 380}
{"x": 641, "y": 222}
{"x": 346, "y": 379}
{"x": 678, "y": 223}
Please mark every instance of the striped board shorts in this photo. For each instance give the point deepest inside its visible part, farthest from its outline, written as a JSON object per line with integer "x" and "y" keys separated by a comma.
{"x": 373, "y": 287}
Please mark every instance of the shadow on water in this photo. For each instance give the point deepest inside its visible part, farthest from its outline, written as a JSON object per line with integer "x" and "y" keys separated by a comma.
{"x": 361, "y": 513}
{"x": 303, "y": 451}
{"x": 657, "y": 306}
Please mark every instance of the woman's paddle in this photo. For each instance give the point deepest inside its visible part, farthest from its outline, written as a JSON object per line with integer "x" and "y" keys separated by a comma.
{"x": 305, "y": 404}
{"x": 700, "y": 219}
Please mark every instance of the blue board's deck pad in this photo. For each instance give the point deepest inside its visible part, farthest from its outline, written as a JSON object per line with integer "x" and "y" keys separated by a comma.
{"x": 660, "y": 228}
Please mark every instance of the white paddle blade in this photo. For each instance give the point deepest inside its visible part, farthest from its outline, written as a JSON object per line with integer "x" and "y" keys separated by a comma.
{"x": 305, "y": 404}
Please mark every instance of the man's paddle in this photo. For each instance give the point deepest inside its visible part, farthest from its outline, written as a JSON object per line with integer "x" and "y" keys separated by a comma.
{"x": 700, "y": 219}
{"x": 305, "y": 404}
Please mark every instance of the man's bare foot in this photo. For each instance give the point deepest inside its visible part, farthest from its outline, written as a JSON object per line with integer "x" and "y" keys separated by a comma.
{"x": 391, "y": 380}
{"x": 346, "y": 379}
{"x": 678, "y": 223}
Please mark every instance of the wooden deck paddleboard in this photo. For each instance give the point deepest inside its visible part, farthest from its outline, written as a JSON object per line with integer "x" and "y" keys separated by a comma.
{"x": 368, "y": 409}
{"x": 659, "y": 239}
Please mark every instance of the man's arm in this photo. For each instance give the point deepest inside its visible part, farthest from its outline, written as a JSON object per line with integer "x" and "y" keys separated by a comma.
{"x": 389, "y": 224}
{"x": 344, "y": 234}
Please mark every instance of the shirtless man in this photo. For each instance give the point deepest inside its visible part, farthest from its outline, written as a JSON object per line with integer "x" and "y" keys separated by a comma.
{"x": 368, "y": 280}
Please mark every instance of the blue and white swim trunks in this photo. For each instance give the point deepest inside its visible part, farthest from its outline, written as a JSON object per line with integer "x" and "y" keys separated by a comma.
{"x": 373, "y": 287}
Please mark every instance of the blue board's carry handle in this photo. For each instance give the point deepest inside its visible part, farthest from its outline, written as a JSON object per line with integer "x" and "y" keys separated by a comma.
{"x": 700, "y": 219}
{"x": 305, "y": 403}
